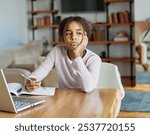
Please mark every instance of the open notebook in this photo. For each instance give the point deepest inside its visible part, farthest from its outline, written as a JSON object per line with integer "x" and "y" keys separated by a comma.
{"x": 18, "y": 89}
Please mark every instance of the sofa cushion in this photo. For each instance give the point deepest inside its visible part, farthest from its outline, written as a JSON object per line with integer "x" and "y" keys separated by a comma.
{"x": 14, "y": 74}
{"x": 27, "y": 54}
{"x": 30, "y": 67}
{"x": 5, "y": 58}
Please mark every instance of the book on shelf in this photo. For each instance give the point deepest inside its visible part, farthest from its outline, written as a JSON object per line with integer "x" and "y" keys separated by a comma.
{"x": 18, "y": 89}
{"x": 110, "y": 18}
{"x": 115, "y": 18}
{"x": 120, "y": 38}
{"x": 126, "y": 16}
{"x": 120, "y": 16}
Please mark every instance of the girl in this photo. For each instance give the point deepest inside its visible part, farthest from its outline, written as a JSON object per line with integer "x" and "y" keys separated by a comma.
{"x": 76, "y": 66}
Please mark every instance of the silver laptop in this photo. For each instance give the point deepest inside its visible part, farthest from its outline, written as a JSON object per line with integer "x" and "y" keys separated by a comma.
{"x": 12, "y": 103}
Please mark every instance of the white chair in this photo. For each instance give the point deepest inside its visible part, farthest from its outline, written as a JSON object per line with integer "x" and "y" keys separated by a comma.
{"x": 110, "y": 78}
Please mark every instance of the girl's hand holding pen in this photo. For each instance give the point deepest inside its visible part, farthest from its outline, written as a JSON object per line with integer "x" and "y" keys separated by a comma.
{"x": 31, "y": 83}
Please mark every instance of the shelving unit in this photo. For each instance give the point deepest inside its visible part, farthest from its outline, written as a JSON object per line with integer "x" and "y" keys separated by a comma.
{"x": 108, "y": 42}
{"x": 127, "y": 80}
{"x": 50, "y": 12}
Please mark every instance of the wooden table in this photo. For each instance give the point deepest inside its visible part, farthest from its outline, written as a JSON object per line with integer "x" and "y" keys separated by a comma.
{"x": 72, "y": 103}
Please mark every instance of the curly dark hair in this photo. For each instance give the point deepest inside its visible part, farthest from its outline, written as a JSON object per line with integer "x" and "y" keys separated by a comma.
{"x": 87, "y": 26}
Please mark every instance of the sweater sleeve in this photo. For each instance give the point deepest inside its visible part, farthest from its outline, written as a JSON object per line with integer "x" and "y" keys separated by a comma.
{"x": 88, "y": 75}
{"x": 46, "y": 66}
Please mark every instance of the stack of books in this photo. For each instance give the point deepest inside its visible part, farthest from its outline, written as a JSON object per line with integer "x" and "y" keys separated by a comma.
{"x": 119, "y": 17}
{"x": 43, "y": 21}
{"x": 121, "y": 36}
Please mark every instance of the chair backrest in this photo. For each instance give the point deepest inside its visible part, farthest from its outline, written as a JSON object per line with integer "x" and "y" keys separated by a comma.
{"x": 110, "y": 77}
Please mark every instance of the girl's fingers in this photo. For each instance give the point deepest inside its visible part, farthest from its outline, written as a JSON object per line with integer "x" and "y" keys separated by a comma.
{"x": 85, "y": 42}
{"x": 32, "y": 85}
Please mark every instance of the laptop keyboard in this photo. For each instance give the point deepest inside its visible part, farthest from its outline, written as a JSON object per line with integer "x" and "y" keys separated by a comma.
{"x": 21, "y": 102}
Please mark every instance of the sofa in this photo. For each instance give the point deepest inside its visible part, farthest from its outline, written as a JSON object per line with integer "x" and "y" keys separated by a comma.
{"x": 18, "y": 60}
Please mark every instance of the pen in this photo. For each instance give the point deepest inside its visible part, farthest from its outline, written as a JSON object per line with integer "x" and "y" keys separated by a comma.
{"x": 26, "y": 77}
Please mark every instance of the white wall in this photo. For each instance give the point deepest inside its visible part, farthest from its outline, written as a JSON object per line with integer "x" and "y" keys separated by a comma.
{"x": 13, "y": 23}
{"x": 142, "y": 10}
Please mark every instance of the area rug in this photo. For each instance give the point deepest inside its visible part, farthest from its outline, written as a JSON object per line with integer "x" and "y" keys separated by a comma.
{"x": 136, "y": 101}
{"x": 143, "y": 77}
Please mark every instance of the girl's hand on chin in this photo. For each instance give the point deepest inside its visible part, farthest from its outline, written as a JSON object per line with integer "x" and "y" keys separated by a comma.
{"x": 78, "y": 50}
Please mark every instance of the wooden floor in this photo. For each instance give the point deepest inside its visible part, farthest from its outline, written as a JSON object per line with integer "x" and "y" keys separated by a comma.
{"x": 138, "y": 87}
